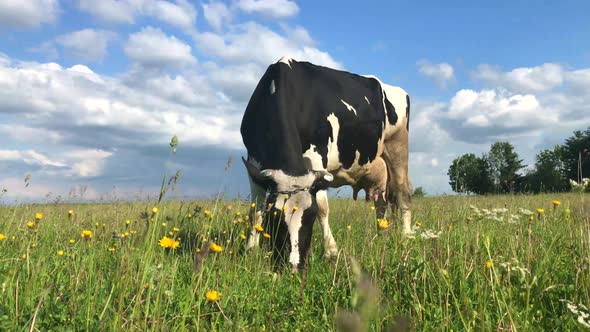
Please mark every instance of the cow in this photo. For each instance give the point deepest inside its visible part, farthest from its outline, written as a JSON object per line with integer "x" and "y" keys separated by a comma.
{"x": 308, "y": 128}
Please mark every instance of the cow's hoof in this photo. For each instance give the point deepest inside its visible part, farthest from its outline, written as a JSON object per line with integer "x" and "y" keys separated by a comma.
{"x": 330, "y": 254}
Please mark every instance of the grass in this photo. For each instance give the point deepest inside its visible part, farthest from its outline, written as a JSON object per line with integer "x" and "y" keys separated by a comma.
{"x": 479, "y": 273}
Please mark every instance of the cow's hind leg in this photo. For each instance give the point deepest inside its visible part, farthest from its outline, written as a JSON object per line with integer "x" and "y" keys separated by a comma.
{"x": 330, "y": 247}
{"x": 400, "y": 194}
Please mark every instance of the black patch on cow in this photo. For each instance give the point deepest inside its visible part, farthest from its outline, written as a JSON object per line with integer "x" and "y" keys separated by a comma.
{"x": 305, "y": 233}
{"x": 391, "y": 114}
{"x": 408, "y": 113}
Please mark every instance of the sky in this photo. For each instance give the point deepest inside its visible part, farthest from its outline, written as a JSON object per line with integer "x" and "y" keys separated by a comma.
{"x": 92, "y": 91}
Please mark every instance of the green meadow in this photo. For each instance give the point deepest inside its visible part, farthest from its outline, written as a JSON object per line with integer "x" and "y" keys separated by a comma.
{"x": 475, "y": 263}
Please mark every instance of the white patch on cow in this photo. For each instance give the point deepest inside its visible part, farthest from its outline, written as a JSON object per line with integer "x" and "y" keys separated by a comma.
{"x": 367, "y": 99}
{"x": 333, "y": 154}
{"x": 350, "y": 108}
{"x": 293, "y": 219}
{"x": 287, "y": 60}
{"x": 272, "y": 87}
{"x": 287, "y": 182}
{"x": 313, "y": 159}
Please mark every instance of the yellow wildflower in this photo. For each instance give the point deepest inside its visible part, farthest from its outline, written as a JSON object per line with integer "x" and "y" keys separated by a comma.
{"x": 532, "y": 218}
{"x": 556, "y": 203}
{"x": 167, "y": 242}
{"x": 489, "y": 264}
{"x": 176, "y": 229}
{"x": 266, "y": 235}
{"x": 72, "y": 241}
{"x": 295, "y": 208}
{"x": 190, "y": 215}
{"x": 243, "y": 236}
{"x": 24, "y": 257}
{"x": 86, "y": 234}
{"x": 540, "y": 211}
{"x": 213, "y": 296}
{"x": 253, "y": 205}
{"x": 382, "y": 223}
{"x": 228, "y": 207}
{"x": 238, "y": 213}
{"x": 112, "y": 249}
{"x": 2, "y": 237}
{"x": 71, "y": 213}
{"x": 215, "y": 248}
{"x": 60, "y": 252}
{"x": 155, "y": 210}
{"x": 127, "y": 222}
{"x": 38, "y": 216}
{"x": 164, "y": 224}
{"x": 372, "y": 207}
{"x": 259, "y": 228}
{"x": 31, "y": 224}
{"x": 348, "y": 227}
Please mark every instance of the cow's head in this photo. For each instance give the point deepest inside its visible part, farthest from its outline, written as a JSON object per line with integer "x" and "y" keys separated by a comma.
{"x": 291, "y": 210}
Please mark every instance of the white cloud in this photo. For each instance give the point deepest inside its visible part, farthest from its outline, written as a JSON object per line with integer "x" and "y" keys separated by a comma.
{"x": 111, "y": 11}
{"x": 274, "y": 9}
{"x": 30, "y": 157}
{"x": 87, "y": 44}
{"x": 28, "y": 14}
{"x": 523, "y": 79}
{"x": 217, "y": 14}
{"x": 440, "y": 73}
{"x": 252, "y": 42}
{"x": 179, "y": 13}
{"x": 152, "y": 47}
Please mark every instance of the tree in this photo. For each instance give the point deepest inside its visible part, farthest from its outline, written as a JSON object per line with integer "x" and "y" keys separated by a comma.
{"x": 470, "y": 174}
{"x": 419, "y": 192}
{"x": 549, "y": 174}
{"x": 576, "y": 155}
{"x": 504, "y": 167}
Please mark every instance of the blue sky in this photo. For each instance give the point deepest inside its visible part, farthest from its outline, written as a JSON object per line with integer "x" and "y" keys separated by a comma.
{"x": 91, "y": 92}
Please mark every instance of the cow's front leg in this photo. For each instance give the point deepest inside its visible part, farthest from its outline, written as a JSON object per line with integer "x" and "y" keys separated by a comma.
{"x": 330, "y": 247}
{"x": 258, "y": 195}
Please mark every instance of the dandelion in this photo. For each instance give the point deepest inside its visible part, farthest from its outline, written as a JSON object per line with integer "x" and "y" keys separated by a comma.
{"x": 532, "y": 218}
{"x": 70, "y": 213}
{"x": 242, "y": 235}
{"x": 253, "y": 205}
{"x": 2, "y": 237}
{"x": 127, "y": 222}
{"x": 212, "y": 296}
{"x": 112, "y": 249}
{"x": 60, "y": 252}
{"x": 168, "y": 243}
{"x": 295, "y": 208}
{"x": 176, "y": 229}
{"x": 31, "y": 224}
{"x": 215, "y": 248}
{"x": 540, "y": 211}
{"x": 556, "y": 203}
{"x": 238, "y": 213}
{"x": 24, "y": 257}
{"x": 382, "y": 223}
{"x": 489, "y": 264}
{"x": 228, "y": 207}
{"x": 189, "y": 215}
{"x": 72, "y": 241}
{"x": 86, "y": 234}
{"x": 164, "y": 224}
{"x": 259, "y": 228}
{"x": 372, "y": 207}
{"x": 33, "y": 245}
{"x": 348, "y": 227}
{"x": 155, "y": 210}
{"x": 38, "y": 216}
{"x": 266, "y": 235}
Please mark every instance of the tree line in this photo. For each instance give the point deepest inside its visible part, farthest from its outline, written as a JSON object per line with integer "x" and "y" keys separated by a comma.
{"x": 502, "y": 171}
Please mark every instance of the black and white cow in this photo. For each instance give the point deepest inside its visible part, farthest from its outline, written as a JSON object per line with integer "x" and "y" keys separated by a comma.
{"x": 307, "y": 128}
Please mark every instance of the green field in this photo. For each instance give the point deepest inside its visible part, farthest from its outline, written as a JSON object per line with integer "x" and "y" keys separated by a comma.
{"x": 486, "y": 270}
